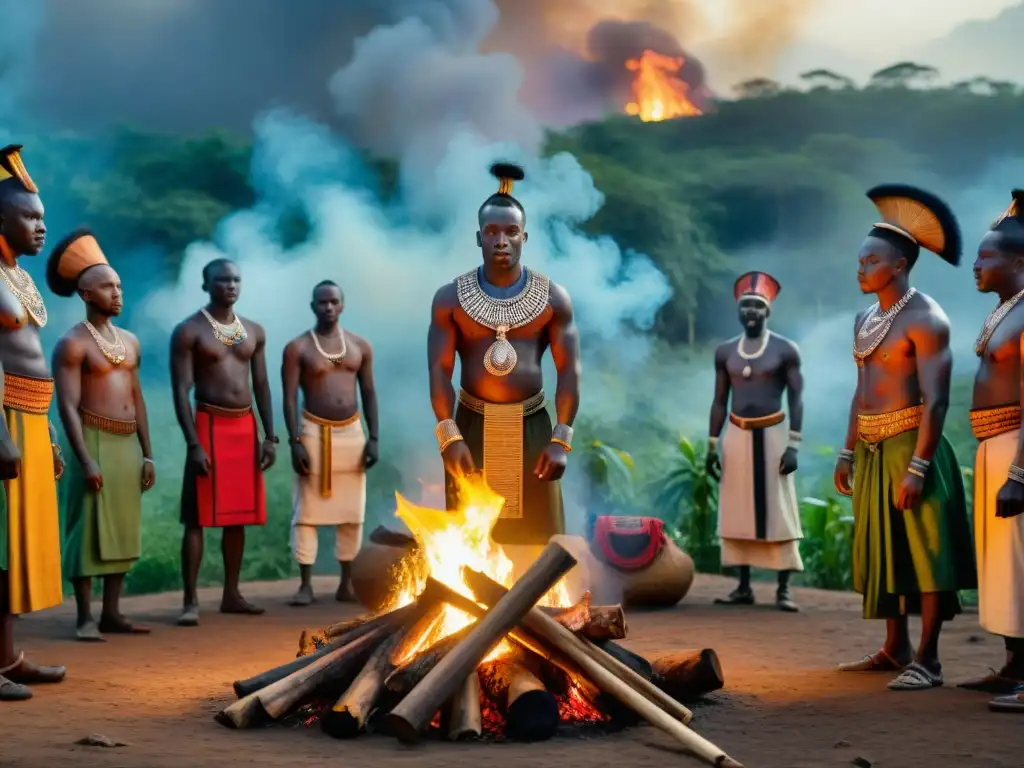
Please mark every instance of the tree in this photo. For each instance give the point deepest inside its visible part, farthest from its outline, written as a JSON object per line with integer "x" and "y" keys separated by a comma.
{"x": 758, "y": 88}
{"x": 826, "y": 78}
{"x": 903, "y": 75}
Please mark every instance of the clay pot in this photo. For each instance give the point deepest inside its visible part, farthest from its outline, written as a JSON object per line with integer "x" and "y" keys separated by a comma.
{"x": 663, "y": 583}
{"x": 380, "y": 569}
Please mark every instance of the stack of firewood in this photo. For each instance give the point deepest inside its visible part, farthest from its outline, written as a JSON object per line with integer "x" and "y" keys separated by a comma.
{"x": 560, "y": 665}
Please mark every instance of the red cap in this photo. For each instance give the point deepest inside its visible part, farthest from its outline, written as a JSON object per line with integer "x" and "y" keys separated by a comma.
{"x": 759, "y": 284}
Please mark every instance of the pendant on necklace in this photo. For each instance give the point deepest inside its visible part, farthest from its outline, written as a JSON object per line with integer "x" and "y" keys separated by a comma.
{"x": 746, "y": 371}
{"x": 500, "y": 358}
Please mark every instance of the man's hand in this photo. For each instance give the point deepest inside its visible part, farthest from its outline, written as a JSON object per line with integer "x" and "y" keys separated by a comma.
{"x": 268, "y": 454}
{"x": 198, "y": 460}
{"x": 58, "y": 462}
{"x": 370, "y": 456}
{"x": 1010, "y": 499}
{"x": 551, "y": 462}
{"x": 93, "y": 476}
{"x": 148, "y": 475}
{"x": 788, "y": 464}
{"x": 713, "y": 465}
{"x": 841, "y": 476}
{"x": 300, "y": 459}
{"x": 458, "y": 460}
{"x": 10, "y": 459}
{"x": 909, "y": 494}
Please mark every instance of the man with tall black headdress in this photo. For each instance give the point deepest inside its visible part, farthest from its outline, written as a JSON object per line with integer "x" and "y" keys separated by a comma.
{"x": 498, "y": 319}
{"x": 998, "y": 473}
{"x": 912, "y": 546}
{"x": 96, "y": 367}
{"x": 758, "y": 513}
{"x": 30, "y": 463}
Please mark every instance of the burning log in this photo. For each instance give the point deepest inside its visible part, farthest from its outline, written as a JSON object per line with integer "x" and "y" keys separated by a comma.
{"x": 688, "y": 675}
{"x": 390, "y": 620}
{"x": 466, "y": 721}
{"x": 435, "y": 590}
{"x": 276, "y": 699}
{"x": 610, "y": 675}
{"x": 408, "y": 720}
{"x": 531, "y": 712}
{"x": 597, "y": 622}
{"x": 409, "y": 675}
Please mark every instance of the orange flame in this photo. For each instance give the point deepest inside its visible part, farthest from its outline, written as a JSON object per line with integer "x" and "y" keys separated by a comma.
{"x": 658, "y": 92}
{"x": 449, "y": 541}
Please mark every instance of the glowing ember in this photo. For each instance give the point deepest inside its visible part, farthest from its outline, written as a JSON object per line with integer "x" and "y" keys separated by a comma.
{"x": 448, "y": 542}
{"x": 658, "y": 91}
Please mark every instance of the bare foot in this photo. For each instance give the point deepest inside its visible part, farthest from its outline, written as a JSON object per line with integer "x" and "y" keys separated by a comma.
{"x": 238, "y": 604}
{"x": 119, "y": 625}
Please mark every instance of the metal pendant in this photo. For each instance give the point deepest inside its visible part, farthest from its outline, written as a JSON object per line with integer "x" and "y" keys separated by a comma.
{"x": 747, "y": 371}
{"x": 500, "y": 358}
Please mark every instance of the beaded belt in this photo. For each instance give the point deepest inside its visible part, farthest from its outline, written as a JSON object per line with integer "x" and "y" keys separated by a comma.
{"x": 110, "y": 426}
{"x": 757, "y": 422}
{"x": 531, "y": 405}
{"x": 228, "y": 413}
{"x": 27, "y": 394}
{"x": 326, "y": 446}
{"x": 875, "y": 427}
{"x": 990, "y": 422}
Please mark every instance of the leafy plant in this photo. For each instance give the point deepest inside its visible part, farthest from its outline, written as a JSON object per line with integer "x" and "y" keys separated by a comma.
{"x": 687, "y": 498}
{"x": 827, "y": 546}
{"x": 609, "y": 473}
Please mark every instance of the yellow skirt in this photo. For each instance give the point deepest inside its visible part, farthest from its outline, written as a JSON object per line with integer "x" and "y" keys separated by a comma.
{"x": 33, "y": 525}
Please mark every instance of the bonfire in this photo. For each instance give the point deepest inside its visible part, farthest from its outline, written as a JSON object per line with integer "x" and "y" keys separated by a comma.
{"x": 466, "y": 652}
{"x": 659, "y": 93}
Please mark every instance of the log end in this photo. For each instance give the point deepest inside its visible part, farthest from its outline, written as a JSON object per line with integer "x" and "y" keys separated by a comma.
{"x": 727, "y": 762}
{"x": 239, "y": 689}
{"x": 401, "y": 729}
{"x": 532, "y": 717}
{"x": 339, "y": 724}
{"x": 225, "y": 720}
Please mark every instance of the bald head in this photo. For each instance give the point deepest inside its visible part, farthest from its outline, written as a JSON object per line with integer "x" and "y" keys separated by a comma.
{"x": 100, "y": 288}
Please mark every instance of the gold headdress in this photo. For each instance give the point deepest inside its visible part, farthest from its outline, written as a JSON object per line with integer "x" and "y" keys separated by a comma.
{"x": 73, "y": 255}
{"x": 12, "y": 167}
{"x": 919, "y": 217}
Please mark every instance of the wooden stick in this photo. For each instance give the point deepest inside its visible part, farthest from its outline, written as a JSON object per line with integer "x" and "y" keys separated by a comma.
{"x": 435, "y": 590}
{"x": 347, "y": 718}
{"x": 414, "y": 713}
{"x": 595, "y": 663}
{"x": 466, "y": 720}
{"x": 277, "y": 698}
{"x": 409, "y": 675}
{"x": 394, "y": 619}
{"x": 538, "y": 622}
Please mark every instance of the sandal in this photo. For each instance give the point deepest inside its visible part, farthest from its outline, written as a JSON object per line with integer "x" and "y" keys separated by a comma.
{"x": 880, "y": 662}
{"x": 1012, "y": 703}
{"x": 916, "y": 677}
{"x": 13, "y": 691}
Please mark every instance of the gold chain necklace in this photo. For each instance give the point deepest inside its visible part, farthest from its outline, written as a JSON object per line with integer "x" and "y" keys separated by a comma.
{"x": 502, "y": 315}
{"x": 113, "y": 351}
{"x": 995, "y": 317}
{"x": 24, "y": 289}
{"x": 336, "y": 359}
{"x": 880, "y": 327}
{"x": 228, "y": 335}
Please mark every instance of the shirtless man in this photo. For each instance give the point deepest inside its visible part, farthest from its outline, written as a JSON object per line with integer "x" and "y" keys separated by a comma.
{"x": 30, "y": 463}
{"x": 758, "y": 513}
{"x": 97, "y": 373}
{"x": 995, "y": 420}
{"x": 330, "y": 453}
{"x": 912, "y": 545}
{"x": 499, "y": 319}
{"x": 216, "y": 351}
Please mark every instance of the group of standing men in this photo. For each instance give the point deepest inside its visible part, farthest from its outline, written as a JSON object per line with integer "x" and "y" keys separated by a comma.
{"x": 912, "y": 545}
{"x": 499, "y": 319}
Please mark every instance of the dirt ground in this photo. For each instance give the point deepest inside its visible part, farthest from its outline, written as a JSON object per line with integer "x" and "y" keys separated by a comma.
{"x": 783, "y": 706}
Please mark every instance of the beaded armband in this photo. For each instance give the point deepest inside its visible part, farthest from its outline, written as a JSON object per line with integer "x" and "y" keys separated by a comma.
{"x": 845, "y": 454}
{"x": 562, "y": 435}
{"x": 447, "y": 432}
